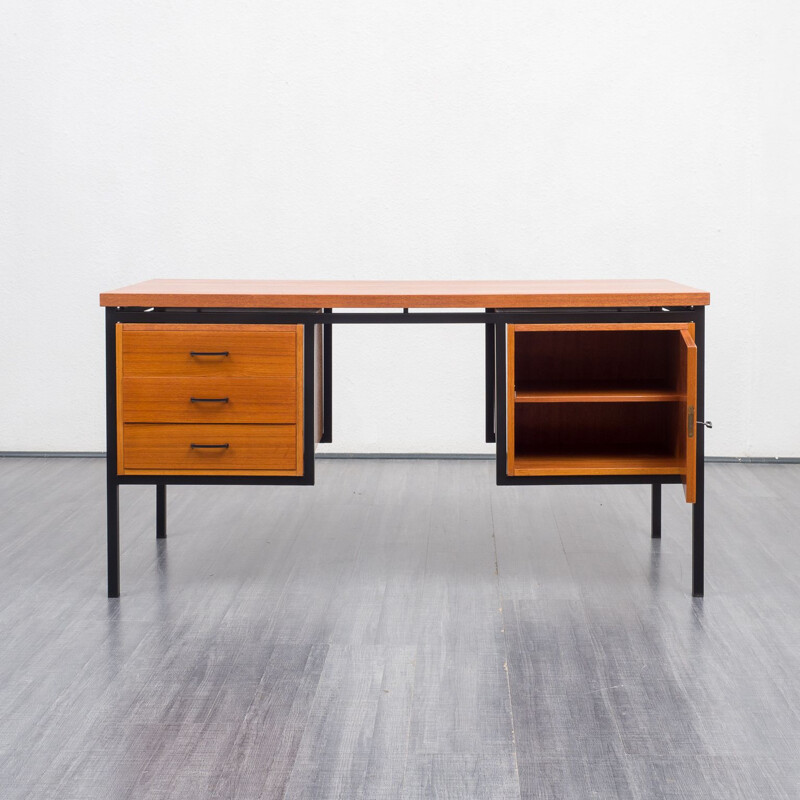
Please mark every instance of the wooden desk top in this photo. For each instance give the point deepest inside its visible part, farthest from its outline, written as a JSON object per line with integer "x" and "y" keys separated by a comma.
{"x": 404, "y": 294}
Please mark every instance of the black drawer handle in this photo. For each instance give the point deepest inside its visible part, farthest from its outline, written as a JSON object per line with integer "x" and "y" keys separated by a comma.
{"x": 209, "y": 446}
{"x": 208, "y": 399}
{"x": 220, "y": 353}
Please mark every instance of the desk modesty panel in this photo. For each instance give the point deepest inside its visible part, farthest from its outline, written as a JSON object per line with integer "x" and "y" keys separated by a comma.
{"x": 230, "y": 381}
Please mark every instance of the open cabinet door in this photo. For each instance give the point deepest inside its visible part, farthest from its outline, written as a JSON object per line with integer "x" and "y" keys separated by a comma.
{"x": 687, "y": 423}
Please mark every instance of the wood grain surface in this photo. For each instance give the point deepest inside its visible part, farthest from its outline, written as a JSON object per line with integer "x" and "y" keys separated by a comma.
{"x": 230, "y": 293}
{"x": 624, "y": 464}
{"x": 252, "y": 351}
{"x": 168, "y": 448}
{"x": 226, "y": 399}
{"x": 596, "y": 394}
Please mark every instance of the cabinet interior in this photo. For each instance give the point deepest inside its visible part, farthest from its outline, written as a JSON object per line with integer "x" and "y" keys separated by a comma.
{"x": 584, "y": 401}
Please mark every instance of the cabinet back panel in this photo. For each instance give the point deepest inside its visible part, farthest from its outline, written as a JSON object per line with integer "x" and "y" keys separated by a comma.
{"x": 595, "y": 428}
{"x": 554, "y": 358}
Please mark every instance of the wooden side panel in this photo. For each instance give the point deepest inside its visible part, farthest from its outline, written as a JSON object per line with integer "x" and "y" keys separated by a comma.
{"x": 510, "y": 402}
{"x": 120, "y": 437}
{"x": 168, "y": 448}
{"x": 687, "y": 427}
{"x": 299, "y": 432}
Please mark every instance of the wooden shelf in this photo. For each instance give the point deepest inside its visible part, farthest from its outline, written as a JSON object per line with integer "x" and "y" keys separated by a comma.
{"x": 596, "y": 394}
{"x": 586, "y": 464}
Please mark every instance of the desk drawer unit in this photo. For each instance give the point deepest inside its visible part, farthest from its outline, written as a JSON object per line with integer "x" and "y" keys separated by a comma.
{"x": 209, "y": 399}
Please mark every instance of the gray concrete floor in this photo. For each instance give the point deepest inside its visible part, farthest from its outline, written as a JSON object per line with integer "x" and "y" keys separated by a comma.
{"x": 405, "y": 629}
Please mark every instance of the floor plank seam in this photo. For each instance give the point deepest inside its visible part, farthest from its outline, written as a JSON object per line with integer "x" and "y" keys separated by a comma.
{"x": 505, "y": 648}
{"x": 416, "y": 652}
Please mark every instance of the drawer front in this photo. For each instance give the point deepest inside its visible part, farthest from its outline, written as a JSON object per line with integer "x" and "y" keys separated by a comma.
{"x": 214, "y": 400}
{"x": 210, "y": 350}
{"x": 210, "y": 448}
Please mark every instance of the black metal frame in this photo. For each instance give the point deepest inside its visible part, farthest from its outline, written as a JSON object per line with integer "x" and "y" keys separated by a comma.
{"x": 494, "y": 320}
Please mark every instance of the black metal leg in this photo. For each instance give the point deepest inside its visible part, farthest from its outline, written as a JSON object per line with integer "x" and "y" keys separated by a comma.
{"x": 698, "y": 543}
{"x": 655, "y": 524}
{"x": 112, "y": 534}
{"x": 112, "y": 486}
{"x": 490, "y": 380}
{"x": 698, "y": 509}
{"x": 698, "y": 517}
{"x": 327, "y": 381}
{"x": 161, "y": 511}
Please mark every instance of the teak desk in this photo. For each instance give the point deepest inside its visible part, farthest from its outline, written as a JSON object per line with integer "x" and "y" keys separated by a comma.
{"x": 228, "y": 381}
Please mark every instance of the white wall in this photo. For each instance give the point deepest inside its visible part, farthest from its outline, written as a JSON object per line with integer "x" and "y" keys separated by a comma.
{"x": 421, "y": 139}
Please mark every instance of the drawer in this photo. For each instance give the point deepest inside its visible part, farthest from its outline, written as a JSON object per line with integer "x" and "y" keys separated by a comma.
{"x": 210, "y": 448}
{"x": 210, "y": 350}
{"x": 210, "y": 400}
